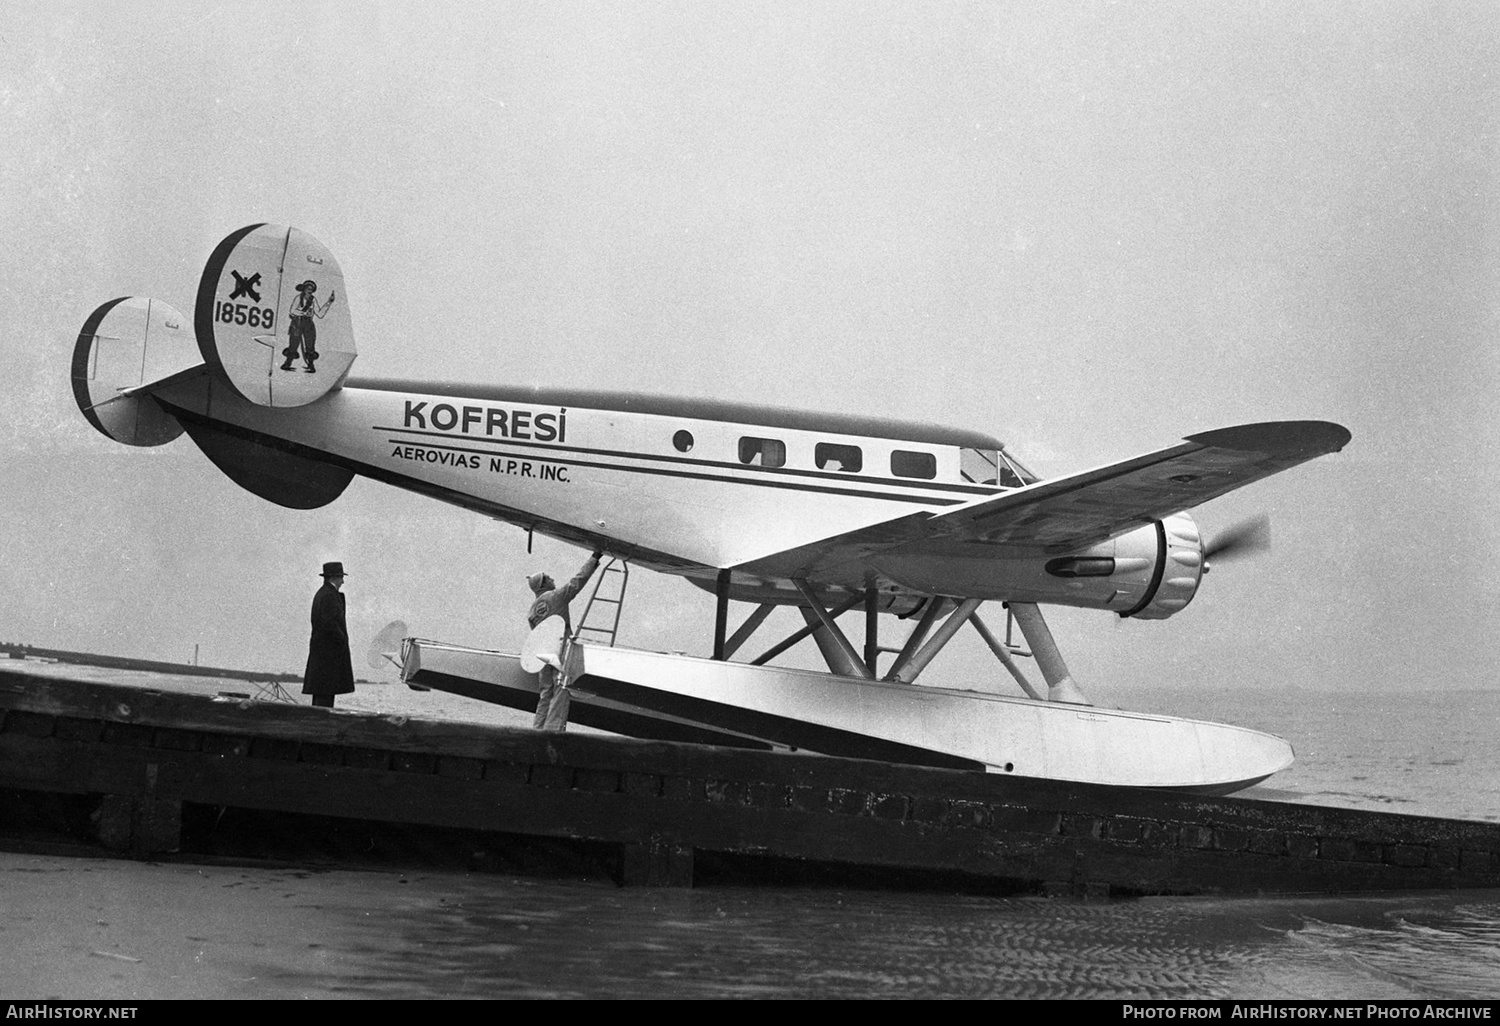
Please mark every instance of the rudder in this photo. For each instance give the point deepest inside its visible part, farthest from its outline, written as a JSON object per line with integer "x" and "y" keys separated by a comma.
{"x": 126, "y": 343}
{"x": 272, "y": 317}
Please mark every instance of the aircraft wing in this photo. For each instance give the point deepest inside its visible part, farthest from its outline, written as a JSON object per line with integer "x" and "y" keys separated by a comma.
{"x": 1081, "y": 509}
{"x": 1069, "y": 513}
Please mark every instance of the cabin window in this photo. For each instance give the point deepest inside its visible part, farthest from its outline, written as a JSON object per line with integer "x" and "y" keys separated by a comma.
{"x": 683, "y": 440}
{"x": 846, "y": 458}
{"x": 979, "y": 466}
{"x": 993, "y": 466}
{"x": 914, "y": 464}
{"x": 763, "y": 452}
{"x": 1012, "y": 474}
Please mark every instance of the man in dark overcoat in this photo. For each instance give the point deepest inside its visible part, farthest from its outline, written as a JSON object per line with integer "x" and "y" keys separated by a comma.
{"x": 330, "y": 671}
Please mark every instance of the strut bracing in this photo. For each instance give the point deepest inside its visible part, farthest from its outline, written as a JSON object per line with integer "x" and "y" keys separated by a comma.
{"x": 1003, "y": 654}
{"x": 918, "y": 662}
{"x": 837, "y": 650}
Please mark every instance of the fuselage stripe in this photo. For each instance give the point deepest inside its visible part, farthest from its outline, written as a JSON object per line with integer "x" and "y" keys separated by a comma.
{"x": 799, "y": 486}
{"x": 948, "y": 487}
{"x": 687, "y": 461}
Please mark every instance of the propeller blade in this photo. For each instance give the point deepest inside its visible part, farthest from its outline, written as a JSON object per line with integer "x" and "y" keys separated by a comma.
{"x": 1239, "y": 541}
{"x": 384, "y": 652}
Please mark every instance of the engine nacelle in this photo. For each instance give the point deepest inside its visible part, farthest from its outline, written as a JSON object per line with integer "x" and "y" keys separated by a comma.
{"x": 1149, "y": 573}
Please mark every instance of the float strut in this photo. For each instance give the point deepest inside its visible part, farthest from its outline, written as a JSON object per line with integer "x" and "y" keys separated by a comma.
{"x": 914, "y": 639}
{"x": 1060, "y": 686}
{"x": 1003, "y": 654}
{"x": 944, "y": 634}
{"x": 781, "y": 646}
{"x": 753, "y": 621}
{"x": 721, "y": 614}
{"x": 837, "y": 651}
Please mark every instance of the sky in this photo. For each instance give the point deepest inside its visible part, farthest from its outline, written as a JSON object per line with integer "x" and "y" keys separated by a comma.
{"x": 1086, "y": 228}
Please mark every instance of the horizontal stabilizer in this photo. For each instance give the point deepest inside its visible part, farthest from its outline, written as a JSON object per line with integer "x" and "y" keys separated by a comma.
{"x": 160, "y": 383}
{"x": 128, "y": 347}
{"x": 273, "y": 318}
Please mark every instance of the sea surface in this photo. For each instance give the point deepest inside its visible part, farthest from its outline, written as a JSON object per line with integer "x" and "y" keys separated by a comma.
{"x": 99, "y": 928}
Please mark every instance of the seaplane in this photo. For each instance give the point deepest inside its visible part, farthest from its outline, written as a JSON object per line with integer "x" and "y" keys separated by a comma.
{"x": 907, "y": 525}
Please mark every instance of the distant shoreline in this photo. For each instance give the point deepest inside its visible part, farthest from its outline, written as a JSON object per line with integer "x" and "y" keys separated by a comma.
{"x": 13, "y": 651}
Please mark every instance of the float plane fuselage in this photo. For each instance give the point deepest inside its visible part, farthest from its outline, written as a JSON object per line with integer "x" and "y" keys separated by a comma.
{"x": 820, "y": 511}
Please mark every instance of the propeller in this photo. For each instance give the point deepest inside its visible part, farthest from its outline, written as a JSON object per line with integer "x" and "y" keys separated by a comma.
{"x": 1238, "y": 541}
{"x": 385, "y": 649}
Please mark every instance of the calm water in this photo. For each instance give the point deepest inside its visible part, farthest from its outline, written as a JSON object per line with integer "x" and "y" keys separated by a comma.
{"x": 277, "y": 933}
{"x": 1428, "y": 755}
{"x": 78, "y": 928}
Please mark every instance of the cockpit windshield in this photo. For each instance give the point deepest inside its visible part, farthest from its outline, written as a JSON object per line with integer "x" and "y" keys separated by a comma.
{"x": 994, "y": 467}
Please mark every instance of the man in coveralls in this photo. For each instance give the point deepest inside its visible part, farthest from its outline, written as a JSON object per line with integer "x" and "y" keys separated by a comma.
{"x": 329, "y": 671}
{"x": 552, "y": 697}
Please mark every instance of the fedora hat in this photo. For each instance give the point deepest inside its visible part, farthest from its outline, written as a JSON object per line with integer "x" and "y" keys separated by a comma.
{"x": 333, "y": 570}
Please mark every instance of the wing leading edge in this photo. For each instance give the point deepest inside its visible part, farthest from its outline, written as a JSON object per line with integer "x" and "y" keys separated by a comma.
{"x": 1081, "y": 509}
{"x": 1069, "y": 513}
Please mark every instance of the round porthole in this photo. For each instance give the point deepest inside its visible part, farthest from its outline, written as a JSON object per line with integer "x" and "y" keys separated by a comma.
{"x": 683, "y": 440}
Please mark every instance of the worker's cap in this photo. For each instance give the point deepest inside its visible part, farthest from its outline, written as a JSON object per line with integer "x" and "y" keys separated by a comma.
{"x": 539, "y": 582}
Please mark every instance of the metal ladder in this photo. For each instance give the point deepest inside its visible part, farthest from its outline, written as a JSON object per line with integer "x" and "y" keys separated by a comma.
{"x": 609, "y": 607}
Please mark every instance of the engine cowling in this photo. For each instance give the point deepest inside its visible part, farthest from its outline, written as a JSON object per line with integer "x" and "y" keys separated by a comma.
{"x": 1177, "y": 569}
{"x": 1150, "y": 573}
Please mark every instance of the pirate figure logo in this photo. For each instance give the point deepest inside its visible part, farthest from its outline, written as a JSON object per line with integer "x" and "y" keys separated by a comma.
{"x": 301, "y": 332}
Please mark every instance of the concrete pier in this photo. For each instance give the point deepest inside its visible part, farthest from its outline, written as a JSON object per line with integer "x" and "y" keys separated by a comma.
{"x": 146, "y": 773}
